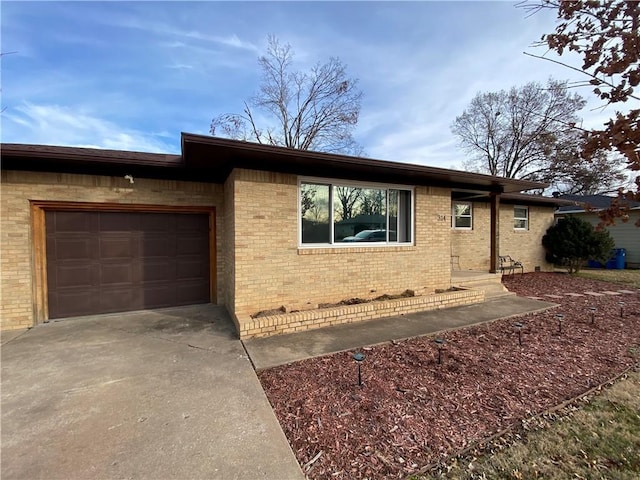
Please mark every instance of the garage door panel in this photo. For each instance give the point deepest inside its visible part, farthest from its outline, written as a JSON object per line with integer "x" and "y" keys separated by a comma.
{"x": 117, "y": 222}
{"x": 113, "y": 274}
{"x": 118, "y": 247}
{"x": 159, "y": 296}
{"x": 190, "y": 245}
{"x": 107, "y": 262}
{"x": 157, "y": 223}
{"x": 75, "y": 302}
{"x": 190, "y": 293}
{"x": 191, "y": 270}
{"x": 155, "y": 245}
{"x": 79, "y": 275}
{"x": 73, "y": 248}
{"x": 118, "y": 300}
{"x": 73, "y": 222}
{"x": 155, "y": 270}
{"x": 192, "y": 223}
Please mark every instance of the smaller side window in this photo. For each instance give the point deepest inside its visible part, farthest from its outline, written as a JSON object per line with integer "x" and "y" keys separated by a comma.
{"x": 521, "y": 218}
{"x": 462, "y": 215}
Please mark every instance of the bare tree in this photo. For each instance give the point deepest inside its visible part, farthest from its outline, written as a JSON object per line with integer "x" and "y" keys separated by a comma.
{"x": 348, "y": 197}
{"x": 604, "y": 173}
{"x": 317, "y": 110}
{"x": 519, "y": 133}
{"x": 373, "y": 202}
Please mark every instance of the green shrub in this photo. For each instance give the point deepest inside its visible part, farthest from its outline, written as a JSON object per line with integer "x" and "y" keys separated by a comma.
{"x": 573, "y": 241}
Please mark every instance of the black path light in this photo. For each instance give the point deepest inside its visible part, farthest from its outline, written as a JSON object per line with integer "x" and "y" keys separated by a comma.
{"x": 439, "y": 343}
{"x": 621, "y": 309}
{"x": 593, "y": 314}
{"x": 560, "y": 318}
{"x": 519, "y": 326}
{"x": 359, "y": 357}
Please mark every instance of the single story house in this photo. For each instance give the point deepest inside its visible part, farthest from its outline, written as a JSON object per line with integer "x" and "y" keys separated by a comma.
{"x": 625, "y": 233}
{"x": 249, "y": 226}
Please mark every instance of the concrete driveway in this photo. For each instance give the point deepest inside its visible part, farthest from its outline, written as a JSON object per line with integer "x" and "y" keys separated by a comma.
{"x": 158, "y": 394}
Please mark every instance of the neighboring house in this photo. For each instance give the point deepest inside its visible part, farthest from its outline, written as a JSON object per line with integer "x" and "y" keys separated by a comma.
{"x": 625, "y": 234}
{"x": 250, "y": 226}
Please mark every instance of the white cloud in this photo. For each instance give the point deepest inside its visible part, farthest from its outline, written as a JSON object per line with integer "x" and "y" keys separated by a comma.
{"x": 172, "y": 67}
{"x": 74, "y": 126}
{"x": 167, "y": 30}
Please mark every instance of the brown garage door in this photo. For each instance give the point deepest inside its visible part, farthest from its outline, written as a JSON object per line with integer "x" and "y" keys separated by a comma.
{"x": 101, "y": 262}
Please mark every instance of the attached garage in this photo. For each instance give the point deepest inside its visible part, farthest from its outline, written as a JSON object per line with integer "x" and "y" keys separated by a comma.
{"x": 104, "y": 259}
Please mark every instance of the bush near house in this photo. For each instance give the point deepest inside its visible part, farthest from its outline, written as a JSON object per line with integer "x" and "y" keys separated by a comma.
{"x": 573, "y": 241}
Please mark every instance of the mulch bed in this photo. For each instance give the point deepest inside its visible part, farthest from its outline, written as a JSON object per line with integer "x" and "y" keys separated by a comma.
{"x": 411, "y": 411}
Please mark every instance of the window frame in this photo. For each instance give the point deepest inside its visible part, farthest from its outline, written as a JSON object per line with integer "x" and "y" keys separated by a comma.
{"x": 525, "y": 218}
{"x": 335, "y": 182}
{"x": 454, "y": 216}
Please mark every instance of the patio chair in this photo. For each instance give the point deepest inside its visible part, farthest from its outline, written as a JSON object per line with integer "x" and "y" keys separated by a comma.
{"x": 509, "y": 265}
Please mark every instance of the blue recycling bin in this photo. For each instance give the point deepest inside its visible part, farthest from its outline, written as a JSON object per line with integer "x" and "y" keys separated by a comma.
{"x": 618, "y": 259}
{"x": 621, "y": 258}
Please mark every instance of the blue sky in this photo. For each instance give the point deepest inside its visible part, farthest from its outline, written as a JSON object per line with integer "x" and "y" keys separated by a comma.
{"x": 133, "y": 75}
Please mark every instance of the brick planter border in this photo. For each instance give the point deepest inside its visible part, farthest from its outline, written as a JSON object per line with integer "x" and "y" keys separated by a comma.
{"x": 324, "y": 317}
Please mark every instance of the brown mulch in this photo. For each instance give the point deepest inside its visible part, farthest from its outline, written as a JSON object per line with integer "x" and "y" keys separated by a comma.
{"x": 411, "y": 411}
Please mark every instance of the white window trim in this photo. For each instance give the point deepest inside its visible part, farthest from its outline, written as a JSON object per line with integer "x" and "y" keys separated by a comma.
{"x": 453, "y": 215}
{"x": 526, "y": 219}
{"x": 332, "y": 182}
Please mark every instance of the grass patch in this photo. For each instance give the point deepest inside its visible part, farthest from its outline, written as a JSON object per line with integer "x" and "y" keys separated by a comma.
{"x": 624, "y": 277}
{"x": 600, "y": 440}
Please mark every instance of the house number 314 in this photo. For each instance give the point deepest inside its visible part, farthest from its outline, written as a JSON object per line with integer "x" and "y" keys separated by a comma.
{"x": 442, "y": 218}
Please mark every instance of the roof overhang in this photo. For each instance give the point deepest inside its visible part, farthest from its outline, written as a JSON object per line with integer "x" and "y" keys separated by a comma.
{"x": 212, "y": 159}
{"x": 94, "y": 161}
{"x": 528, "y": 199}
{"x": 219, "y": 156}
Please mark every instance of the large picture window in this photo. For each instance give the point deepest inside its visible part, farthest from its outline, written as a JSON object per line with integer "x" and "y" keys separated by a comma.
{"x": 339, "y": 213}
{"x": 462, "y": 215}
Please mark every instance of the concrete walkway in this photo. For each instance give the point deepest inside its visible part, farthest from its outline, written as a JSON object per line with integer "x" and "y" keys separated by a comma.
{"x": 282, "y": 349}
{"x": 164, "y": 394}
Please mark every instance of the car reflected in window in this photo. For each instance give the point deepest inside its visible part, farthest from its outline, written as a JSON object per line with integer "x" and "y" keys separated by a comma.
{"x": 368, "y": 236}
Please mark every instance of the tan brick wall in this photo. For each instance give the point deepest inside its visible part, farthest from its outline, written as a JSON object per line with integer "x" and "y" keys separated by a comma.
{"x": 271, "y": 270}
{"x": 473, "y": 246}
{"x": 526, "y": 245}
{"x": 228, "y": 250}
{"x": 16, "y": 309}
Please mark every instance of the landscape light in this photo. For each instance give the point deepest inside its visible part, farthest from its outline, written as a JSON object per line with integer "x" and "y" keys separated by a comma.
{"x": 439, "y": 343}
{"x": 593, "y": 314}
{"x": 621, "y": 309}
{"x": 560, "y": 318}
{"x": 359, "y": 357}
{"x": 519, "y": 326}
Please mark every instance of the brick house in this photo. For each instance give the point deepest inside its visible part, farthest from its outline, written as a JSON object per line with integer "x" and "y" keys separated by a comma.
{"x": 249, "y": 226}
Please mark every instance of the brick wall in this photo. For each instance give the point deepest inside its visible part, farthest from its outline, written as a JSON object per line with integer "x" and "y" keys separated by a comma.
{"x": 526, "y": 245}
{"x": 324, "y": 317}
{"x": 271, "y": 270}
{"x": 227, "y": 251}
{"x": 16, "y": 308}
{"x": 473, "y": 246}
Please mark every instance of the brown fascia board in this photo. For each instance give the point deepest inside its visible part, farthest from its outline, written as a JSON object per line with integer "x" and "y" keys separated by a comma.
{"x": 52, "y": 158}
{"x": 223, "y": 155}
{"x": 528, "y": 199}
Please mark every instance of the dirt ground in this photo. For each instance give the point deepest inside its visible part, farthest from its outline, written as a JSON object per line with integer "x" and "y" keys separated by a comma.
{"x": 412, "y": 411}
